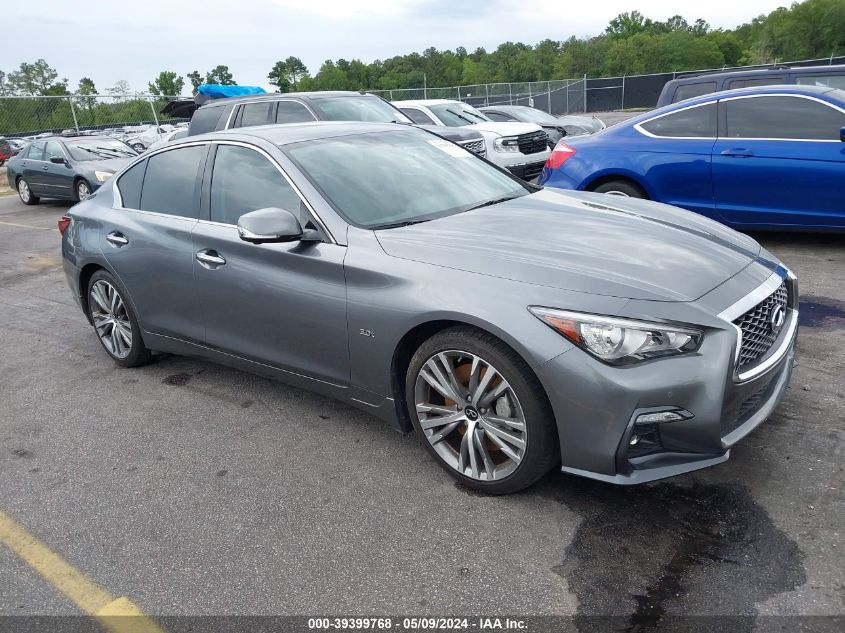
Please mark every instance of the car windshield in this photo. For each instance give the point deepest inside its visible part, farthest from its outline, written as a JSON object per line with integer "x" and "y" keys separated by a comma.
{"x": 381, "y": 180}
{"x": 98, "y": 148}
{"x": 361, "y": 108}
{"x": 534, "y": 115}
{"x": 457, "y": 114}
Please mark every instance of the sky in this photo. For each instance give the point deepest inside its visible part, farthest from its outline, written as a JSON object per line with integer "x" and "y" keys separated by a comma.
{"x": 134, "y": 41}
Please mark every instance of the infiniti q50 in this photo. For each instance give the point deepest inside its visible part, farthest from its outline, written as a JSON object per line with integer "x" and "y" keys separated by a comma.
{"x": 514, "y": 328}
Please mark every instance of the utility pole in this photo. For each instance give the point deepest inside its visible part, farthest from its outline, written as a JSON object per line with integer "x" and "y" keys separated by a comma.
{"x": 73, "y": 112}
{"x": 425, "y": 87}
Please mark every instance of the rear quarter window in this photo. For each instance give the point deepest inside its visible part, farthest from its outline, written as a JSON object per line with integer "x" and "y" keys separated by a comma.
{"x": 129, "y": 185}
{"x": 205, "y": 120}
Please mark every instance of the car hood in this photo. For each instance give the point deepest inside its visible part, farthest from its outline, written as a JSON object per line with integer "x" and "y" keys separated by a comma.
{"x": 107, "y": 164}
{"x": 585, "y": 242}
{"x": 505, "y": 128}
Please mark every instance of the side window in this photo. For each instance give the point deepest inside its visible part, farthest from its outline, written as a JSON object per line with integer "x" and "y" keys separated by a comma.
{"x": 688, "y": 91}
{"x": 205, "y": 119}
{"x": 36, "y": 151}
{"x": 129, "y": 185}
{"x": 768, "y": 80}
{"x": 292, "y": 112}
{"x": 417, "y": 116}
{"x": 53, "y": 149}
{"x": 695, "y": 122}
{"x": 170, "y": 181}
{"x": 782, "y": 117}
{"x": 244, "y": 180}
{"x": 831, "y": 81}
{"x": 253, "y": 114}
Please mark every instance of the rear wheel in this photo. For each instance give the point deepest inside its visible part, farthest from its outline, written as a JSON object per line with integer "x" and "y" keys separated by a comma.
{"x": 115, "y": 322}
{"x": 25, "y": 193}
{"x": 82, "y": 190}
{"x": 139, "y": 147}
{"x": 480, "y": 411}
{"x": 621, "y": 188}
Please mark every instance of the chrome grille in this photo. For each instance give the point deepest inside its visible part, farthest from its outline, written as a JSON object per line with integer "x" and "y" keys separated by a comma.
{"x": 476, "y": 147}
{"x": 757, "y": 334}
{"x": 533, "y": 142}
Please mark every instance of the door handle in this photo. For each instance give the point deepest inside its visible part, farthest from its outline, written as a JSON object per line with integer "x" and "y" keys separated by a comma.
{"x": 117, "y": 239}
{"x": 209, "y": 258}
{"x": 739, "y": 152}
{"x": 45, "y": 168}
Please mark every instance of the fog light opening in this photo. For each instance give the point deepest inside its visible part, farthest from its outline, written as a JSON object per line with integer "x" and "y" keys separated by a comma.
{"x": 662, "y": 417}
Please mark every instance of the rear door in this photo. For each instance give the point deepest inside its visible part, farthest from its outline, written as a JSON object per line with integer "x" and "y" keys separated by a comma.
{"x": 147, "y": 240}
{"x": 32, "y": 168}
{"x": 249, "y": 114}
{"x": 779, "y": 161}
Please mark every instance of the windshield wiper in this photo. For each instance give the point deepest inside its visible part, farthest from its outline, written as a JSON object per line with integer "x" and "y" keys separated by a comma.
{"x": 490, "y": 203}
{"x": 460, "y": 116}
{"x": 396, "y": 225}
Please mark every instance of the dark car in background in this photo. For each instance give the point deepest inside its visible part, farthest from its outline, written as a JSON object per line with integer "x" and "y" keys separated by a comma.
{"x": 69, "y": 168}
{"x": 307, "y": 107}
{"x": 694, "y": 85}
{"x": 555, "y": 127}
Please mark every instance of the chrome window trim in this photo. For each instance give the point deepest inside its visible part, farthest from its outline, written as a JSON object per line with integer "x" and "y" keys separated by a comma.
{"x": 638, "y": 126}
{"x": 750, "y": 300}
{"x": 240, "y": 103}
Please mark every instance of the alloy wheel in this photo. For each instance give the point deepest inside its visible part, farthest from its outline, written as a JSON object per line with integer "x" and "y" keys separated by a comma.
{"x": 111, "y": 319}
{"x": 470, "y": 415}
{"x": 23, "y": 191}
{"x": 82, "y": 190}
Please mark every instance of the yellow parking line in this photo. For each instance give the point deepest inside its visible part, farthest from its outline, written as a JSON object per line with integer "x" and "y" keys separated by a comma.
{"x": 107, "y": 609}
{"x": 28, "y": 226}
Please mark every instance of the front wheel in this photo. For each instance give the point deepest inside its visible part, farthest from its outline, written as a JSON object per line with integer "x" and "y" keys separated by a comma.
{"x": 82, "y": 190}
{"x": 480, "y": 411}
{"x": 115, "y": 322}
{"x": 139, "y": 147}
{"x": 25, "y": 193}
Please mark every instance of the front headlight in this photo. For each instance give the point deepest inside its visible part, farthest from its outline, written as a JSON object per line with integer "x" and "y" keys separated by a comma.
{"x": 103, "y": 176}
{"x": 619, "y": 341}
{"x": 506, "y": 144}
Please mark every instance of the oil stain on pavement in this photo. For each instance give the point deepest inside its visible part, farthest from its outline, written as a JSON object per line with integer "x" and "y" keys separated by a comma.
{"x": 652, "y": 551}
{"x": 821, "y": 312}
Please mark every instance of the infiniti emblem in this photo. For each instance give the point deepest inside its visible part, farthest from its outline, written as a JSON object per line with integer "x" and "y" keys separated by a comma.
{"x": 776, "y": 319}
{"x": 471, "y": 414}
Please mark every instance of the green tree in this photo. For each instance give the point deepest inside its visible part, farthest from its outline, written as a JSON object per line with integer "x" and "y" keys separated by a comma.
{"x": 38, "y": 78}
{"x": 220, "y": 75}
{"x": 287, "y": 75}
{"x": 167, "y": 84}
{"x": 196, "y": 80}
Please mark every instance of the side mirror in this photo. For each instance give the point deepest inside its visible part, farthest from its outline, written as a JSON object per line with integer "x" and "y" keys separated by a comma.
{"x": 842, "y": 134}
{"x": 58, "y": 160}
{"x": 270, "y": 225}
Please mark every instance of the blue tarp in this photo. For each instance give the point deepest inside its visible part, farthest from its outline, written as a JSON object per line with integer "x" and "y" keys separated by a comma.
{"x": 220, "y": 91}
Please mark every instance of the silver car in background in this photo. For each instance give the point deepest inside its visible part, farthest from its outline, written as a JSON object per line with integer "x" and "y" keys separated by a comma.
{"x": 513, "y": 328}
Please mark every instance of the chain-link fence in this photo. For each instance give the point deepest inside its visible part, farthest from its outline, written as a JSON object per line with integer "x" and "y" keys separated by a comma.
{"x": 29, "y": 116}
{"x": 566, "y": 96}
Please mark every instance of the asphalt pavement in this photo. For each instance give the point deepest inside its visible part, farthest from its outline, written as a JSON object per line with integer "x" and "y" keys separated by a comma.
{"x": 194, "y": 489}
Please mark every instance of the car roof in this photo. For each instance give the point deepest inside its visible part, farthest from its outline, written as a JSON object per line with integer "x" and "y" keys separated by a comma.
{"x": 288, "y": 133}
{"x": 506, "y": 107}
{"x": 758, "y": 72}
{"x": 424, "y": 102}
{"x": 275, "y": 96}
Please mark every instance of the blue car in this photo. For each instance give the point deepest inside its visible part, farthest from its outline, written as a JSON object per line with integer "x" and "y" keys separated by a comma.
{"x": 754, "y": 158}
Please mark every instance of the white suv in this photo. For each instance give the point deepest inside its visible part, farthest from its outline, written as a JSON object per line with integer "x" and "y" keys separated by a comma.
{"x": 521, "y": 148}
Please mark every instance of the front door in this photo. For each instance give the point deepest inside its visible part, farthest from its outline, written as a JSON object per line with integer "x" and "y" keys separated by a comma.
{"x": 283, "y": 305}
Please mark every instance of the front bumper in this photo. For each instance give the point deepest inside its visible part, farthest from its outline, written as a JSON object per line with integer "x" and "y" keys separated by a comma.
{"x": 527, "y": 171}
{"x": 596, "y": 407}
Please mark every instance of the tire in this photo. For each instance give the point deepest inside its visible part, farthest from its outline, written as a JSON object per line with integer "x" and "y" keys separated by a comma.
{"x": 139, "y": 147}
{"x": 25, "y": 193}
{"x": 126, "y": 354}
{"x": 622, "y": 188}
{"x": 81, "y": 190}
{"x": 471, "y": 446}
